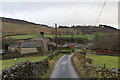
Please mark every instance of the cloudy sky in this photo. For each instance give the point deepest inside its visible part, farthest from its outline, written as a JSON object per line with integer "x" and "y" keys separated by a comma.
{"x": 62, "y": 12}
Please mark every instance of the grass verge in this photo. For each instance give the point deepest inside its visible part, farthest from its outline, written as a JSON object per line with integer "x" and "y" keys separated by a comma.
{"x": 79, "y": 68}
{"x": 51, "y": 66}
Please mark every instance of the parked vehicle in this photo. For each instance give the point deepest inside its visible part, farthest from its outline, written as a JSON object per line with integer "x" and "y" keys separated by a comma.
{"x": 2, "y": 51}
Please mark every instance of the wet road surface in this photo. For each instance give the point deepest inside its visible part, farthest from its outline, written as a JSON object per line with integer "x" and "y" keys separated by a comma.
{"x": 64, "y": 69}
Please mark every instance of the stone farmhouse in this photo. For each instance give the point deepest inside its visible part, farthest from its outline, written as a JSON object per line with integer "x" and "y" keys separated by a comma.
{"x": 36, "y": 44}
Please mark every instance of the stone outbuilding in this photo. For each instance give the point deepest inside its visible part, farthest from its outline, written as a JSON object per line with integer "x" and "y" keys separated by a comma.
{"x": 37, "y": 43}
{"x": 13, "y": 48}
{"x": 31, "y": 46}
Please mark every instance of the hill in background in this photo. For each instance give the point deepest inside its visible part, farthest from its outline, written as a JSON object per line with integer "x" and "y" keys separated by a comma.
{"x": 21, "y": 26}
{"x": 15, "y": 26}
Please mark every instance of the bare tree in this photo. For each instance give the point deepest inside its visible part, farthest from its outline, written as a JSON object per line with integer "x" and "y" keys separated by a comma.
{"x": 108, "y": 42}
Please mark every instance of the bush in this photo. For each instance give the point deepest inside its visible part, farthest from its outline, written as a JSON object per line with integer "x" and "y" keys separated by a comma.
{"x": 11, "y": 55}
{"x": 88, "y": 60}
{"x": 5, "y": 46}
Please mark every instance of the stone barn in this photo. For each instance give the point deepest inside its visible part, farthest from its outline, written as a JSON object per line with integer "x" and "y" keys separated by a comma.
{"x": 37, "y": 43}
{"x": 13, "y": 48}
{"x": 43, "y": 39}
{"x": 31, "y": 46}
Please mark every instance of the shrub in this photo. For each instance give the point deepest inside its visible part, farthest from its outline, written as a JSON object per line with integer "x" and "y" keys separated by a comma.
{"x": 88, "y": 60}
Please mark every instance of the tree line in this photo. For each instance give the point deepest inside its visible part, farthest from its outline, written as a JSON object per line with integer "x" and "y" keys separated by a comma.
{"x": 107, "y": 42}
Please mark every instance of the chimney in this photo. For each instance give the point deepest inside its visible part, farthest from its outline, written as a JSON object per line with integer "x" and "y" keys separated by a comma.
{"x": 42, "y": 34}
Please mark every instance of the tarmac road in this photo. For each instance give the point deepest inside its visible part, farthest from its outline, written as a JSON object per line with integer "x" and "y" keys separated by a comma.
{"x": 64, "y": 69}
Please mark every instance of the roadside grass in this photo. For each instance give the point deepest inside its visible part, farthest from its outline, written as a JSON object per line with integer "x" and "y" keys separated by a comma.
{"x": 79, "y": 68}
{"x": 51, "y": 67}
{"x": 109, "y": 61}
{"x": 10, "y": 62}
{"x": 49, "y": 35}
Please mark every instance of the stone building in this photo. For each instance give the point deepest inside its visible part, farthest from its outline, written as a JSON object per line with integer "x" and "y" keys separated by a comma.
{"x": 36, "y": 44}
{"x": 30, "y": 46}
{"x": 13, "y": 48}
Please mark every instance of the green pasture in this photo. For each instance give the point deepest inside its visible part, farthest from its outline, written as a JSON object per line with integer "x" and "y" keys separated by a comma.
{"x": 100, "y": 60}
{"x": 49, "y": 35}
{"x": 10, "y": 62}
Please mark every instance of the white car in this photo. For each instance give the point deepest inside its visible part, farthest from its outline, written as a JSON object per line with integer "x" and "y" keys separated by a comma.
{"x": 1, "y": 51}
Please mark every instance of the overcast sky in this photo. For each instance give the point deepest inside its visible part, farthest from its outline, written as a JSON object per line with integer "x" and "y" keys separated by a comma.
{"x": 64, "y": 13}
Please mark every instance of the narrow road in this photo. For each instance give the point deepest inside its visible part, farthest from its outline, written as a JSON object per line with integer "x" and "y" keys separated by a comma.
{"x": 64, "y": 69}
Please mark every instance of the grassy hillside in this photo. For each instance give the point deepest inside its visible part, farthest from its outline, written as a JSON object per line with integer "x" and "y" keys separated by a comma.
{"x": 16, "y": 26}
{"x": 24, "y": 28}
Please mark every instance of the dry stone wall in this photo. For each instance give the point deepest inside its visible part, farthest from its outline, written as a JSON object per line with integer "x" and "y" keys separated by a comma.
{"x": 93, "y": 71}
{"x": 26, "y": 69}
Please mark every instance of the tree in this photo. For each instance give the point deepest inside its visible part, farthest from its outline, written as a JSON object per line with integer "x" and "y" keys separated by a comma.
{"x": 107, "y": 42}
{"x": 5, "y": 45}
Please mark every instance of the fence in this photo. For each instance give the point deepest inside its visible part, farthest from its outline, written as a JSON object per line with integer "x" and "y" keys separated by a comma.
{"x": 106, "y": 52}
{"x": 26, "y": 69}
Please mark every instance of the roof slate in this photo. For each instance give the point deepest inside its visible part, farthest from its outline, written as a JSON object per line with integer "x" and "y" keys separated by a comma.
{"x": 31, "y": 44}
{"x": 14, "y": 46}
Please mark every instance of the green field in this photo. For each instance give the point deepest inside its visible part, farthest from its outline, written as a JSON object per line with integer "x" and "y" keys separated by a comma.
{"x": 49, "y": 35}
{"x": 100, "y": 60}
{"x": 10, "y": 62}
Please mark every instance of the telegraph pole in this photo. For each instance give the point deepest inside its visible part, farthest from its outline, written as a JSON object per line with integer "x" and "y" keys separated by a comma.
{"x": 85, "y": 46}
{"x": 56, "y": 36}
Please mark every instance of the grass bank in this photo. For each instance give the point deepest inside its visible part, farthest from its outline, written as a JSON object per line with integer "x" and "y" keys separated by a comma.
{"x": 51, "y": 67}
{"x": 79, "y": 68}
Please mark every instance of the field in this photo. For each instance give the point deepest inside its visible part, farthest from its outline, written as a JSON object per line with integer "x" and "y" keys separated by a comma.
{"x": 22, "y": 36}
{"x": 10, "y": 62}
{"x": 100, "y": 60}
{"x": 49, "y": 35}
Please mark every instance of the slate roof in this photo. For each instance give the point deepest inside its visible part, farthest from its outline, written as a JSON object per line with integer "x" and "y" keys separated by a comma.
{"x": 52, "y": 43}
{"x": 30, "y": 44}
{"x": 35, "y": 42}
{"x": 40, "y": 38}
{"x": 14, "y": 46}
